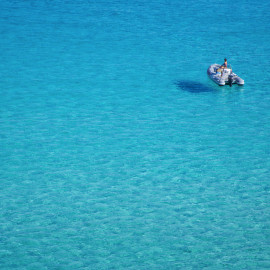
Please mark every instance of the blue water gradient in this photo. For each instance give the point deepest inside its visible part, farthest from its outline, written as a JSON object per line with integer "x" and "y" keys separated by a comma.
{"x": 117, "y": 151}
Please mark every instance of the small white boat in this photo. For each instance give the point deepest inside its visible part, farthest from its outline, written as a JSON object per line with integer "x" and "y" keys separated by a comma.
{"x": 225, "y": 76}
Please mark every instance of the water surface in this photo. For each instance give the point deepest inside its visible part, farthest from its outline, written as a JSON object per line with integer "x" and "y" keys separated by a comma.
{"x": 117, "y": 151}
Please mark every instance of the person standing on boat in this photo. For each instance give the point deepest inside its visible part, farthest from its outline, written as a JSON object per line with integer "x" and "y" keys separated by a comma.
{"x": 225, "y": 64}
{"x": 221, "y": 68}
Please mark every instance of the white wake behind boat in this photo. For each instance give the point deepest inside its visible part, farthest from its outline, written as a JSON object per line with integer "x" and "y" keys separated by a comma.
{"x": 224, "y": 77}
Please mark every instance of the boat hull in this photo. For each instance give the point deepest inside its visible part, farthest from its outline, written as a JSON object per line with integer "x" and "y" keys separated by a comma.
{"x": 227, "y": 76}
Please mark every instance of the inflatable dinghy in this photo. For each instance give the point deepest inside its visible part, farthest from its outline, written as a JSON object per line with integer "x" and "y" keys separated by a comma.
{"x": 223, "y": 76}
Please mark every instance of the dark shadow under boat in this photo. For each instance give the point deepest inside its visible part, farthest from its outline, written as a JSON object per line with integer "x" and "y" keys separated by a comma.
{"x": 193, "y": 87}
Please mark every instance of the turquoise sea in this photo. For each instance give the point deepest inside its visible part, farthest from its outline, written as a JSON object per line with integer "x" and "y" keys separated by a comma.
{"x": 116, "y": 149}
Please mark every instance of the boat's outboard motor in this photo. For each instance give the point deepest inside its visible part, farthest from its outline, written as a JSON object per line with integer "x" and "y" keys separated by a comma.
{"x": 230, "y": 80}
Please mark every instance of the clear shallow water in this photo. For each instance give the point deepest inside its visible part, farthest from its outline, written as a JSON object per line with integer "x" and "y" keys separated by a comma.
{"x": 117, "y": 151}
